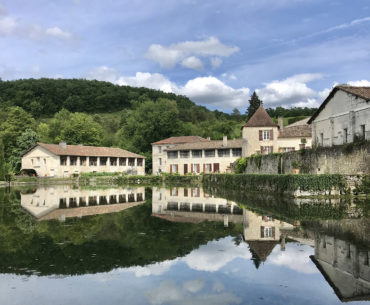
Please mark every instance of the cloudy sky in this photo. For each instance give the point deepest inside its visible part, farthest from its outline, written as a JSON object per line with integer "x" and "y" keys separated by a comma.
{"x": 215, "y": 52}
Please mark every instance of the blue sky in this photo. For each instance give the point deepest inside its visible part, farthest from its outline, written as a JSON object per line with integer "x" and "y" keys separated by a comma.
{"x": 215, "y": 52}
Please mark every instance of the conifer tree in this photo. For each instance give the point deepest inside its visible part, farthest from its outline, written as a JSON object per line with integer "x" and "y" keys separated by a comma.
{"x": 2, "y": 161}
{"x": 254, "y": 103}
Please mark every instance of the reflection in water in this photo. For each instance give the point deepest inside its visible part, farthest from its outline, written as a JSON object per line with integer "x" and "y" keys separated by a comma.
{"x": 186, "y": 246}
{"x": 344, "y": 265}
{"x": 63, "y": 201}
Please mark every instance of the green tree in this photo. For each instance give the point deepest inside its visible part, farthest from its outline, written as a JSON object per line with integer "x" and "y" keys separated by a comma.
{"x": 15, "y": 122}
{"x": 254, "y": 103}
{"x": 2, "y": 161}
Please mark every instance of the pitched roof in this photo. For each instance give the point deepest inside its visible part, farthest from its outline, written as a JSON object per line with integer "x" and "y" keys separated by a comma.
{"x": 237, "y": 143}
{"x": 262, "y": 248}
{"x": 180, "y": 140}
{"x": 86, "y": 151}
{"x": 299, "y": 129}
{"x": 363, "y": 92}
{"x": 260, "y": 119}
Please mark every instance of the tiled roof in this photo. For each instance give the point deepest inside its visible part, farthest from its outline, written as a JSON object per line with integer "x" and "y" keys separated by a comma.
{"x": 299, "y": 129}
{"x": 262, "y": 248}
{"x": 237, "y": 143}
{"x": 180, "y": 140}
{"x": 87, "y": 151}
{"x": 362, "y": 92}
{"x": 260, "y": 119}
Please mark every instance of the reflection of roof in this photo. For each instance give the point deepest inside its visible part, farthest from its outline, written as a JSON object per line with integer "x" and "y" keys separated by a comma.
{"x": 92, "y": 151}
{"x": 299, "y": 129}
{"x": 362, "y": 92}
{"x": 260, "y": 119}
{"x": 181, "y": 140}
{"x": 336, "y": 288}
{"x": 89, "y": 210}
{"x": 262, "y": 248}
{"x": 237, "y": 143}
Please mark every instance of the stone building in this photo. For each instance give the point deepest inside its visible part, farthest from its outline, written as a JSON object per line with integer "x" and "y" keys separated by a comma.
{"x": 62, "y": 160}
{"x": 343, "y": 117}
{"x": 294, "y": 136}
{"x": 203, "y": 157}
{"x": 159, "y": 153}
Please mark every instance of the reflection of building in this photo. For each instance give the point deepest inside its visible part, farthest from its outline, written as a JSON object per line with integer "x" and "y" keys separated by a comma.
{"x": 263, "y": 233}
{"x": 64, "y": 160}
{"x": 193, "y": 205}
{"x": 63, "y": 201}
{"x": 345, "y": 266}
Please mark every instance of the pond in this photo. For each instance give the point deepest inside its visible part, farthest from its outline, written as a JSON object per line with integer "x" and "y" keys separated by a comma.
{"x": 180, "y": 245}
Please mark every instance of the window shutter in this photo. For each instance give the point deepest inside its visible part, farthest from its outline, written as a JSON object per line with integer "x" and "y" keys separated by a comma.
{"x": 273, "y": 232}
{"x": 170, "y": 192}
{"x": 177, "y": 168}
{"x": 260, "y": 132}
{"x": 192, "y": 192}
{"x": 262, "y": 232}
{"x": 261, "y": 148}
{"x": 191, "y": 167}
{"x": 204, "y": 168}
{"x": 271, "y": 134}
{"x": 198, "y": 168}
{"x": 170, "y": 168}
{"x": 272, "y": 149}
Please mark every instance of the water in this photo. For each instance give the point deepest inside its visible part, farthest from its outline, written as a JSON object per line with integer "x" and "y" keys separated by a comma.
{"x": 65, "y": 245}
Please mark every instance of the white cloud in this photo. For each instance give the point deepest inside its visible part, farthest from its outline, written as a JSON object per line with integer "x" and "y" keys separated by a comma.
{"x": 149, "y": 80}
{"x": 216, "y": 62}
{"x": 192, "y": 62}
{"x": 12, "y": 26}
{"x": 210, "y": 91}
{"x": 154, "y": 269}
{"x": 169, "y": 56}
{"x": 104, "y": 73}
{"x": 292, "y": 91}
{"x": 360, "y": 83}
{"x": 346, "y": 25}
{"x": 194, "y": 286}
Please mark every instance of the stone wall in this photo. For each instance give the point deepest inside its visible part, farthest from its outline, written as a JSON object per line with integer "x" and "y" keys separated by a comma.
{"x": 350, "y": 159}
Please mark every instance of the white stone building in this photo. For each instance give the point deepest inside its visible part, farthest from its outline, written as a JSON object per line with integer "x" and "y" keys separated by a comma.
{"x": 294, "y": 136}
{"x": 343, "y": 117}
{"x": 62, "y": 160}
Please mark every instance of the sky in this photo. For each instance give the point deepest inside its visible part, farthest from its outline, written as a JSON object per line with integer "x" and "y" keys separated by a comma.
{"x": 291, "y": 52}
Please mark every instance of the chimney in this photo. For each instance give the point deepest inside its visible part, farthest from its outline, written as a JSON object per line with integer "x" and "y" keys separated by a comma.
{"x": 63, "y": 145}
{"x": 280, "y": 122}
{"x": 224, "y": 141}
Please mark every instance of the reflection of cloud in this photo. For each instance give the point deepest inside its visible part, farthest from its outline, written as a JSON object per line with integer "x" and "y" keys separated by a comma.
{"x": 169, "y": 293}
{"x": 294, "y": 257}
{"x": 154, "y": 269}
{"x": 194, "y": 285}
{"x": 216, "y": 254}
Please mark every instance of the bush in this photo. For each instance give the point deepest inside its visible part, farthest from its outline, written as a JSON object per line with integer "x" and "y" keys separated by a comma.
{"x": 240, "y": 165}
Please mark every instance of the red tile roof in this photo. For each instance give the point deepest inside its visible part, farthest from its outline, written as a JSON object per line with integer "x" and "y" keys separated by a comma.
{"x": 260, "y": 119}
{"x": 87, "y": 151}
{"x": 299, "y": 129}
{"x": 362, "y": 92}
{"x": 181, "y": 140}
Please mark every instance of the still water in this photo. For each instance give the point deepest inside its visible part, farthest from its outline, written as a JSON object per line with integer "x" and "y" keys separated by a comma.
{"x": 68, "y": 245}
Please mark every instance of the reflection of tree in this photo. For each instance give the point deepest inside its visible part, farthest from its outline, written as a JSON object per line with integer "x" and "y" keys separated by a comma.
{"x": 98, "y": 243}
{"x": 256, "y": 260}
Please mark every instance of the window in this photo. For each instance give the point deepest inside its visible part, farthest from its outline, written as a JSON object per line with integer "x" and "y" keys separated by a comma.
{"x": 82, "y": 201}
{"x": 139, "y": 162}
{"x": 72, "y": 202}
{"x": 60, "y": 162}
{"x": 266, "y": 134}
{"x": 103, "y": 200}
{"x": 321, "y": 139}
{"x": 112, "y": 199}
{"x": 103, "y": 161}
{"x": 159, "y": 149}
{"x": 196, "y": 153}
{"x": 174, "y": 192}
{"x": 266, "y": 150}
{"x": 210, "y": 153}
{"x": 131, "y": 161}
{"x": 196, "y": 168}
{"x": 122, "y": 161}
{"x": 72, "y": 160}
{"x": 122, "y": 198}
{"x": 174, "y": 168}
{"x": 63, "y": 160}
{"x": 184, "y": 154}
{"x": 83, "y": 161}
{"x": 345, "y": 136}
{"x": 207, "y": 168}
{"x": 237, "y": 152}
{"x": 113, "y": 161}
{"x": 185, "y": 192}
{"x": 160, "y": 161}
{"x": 195, "y": 192}
{"x": 172, "y": 154}
{"x": 62, "y": 203}
{"x": 93, "y": 200}
{"x": 224, "y": 152}
{"x": 268, "y": 232}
